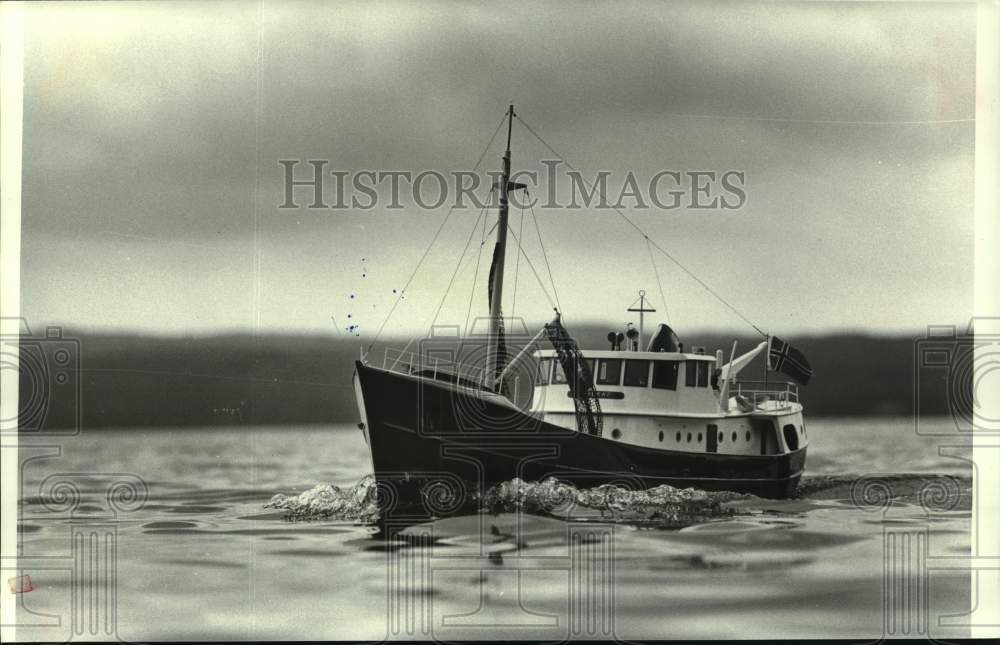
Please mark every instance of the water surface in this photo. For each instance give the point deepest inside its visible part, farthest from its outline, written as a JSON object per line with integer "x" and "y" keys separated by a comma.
{"x": 199, "y": 554}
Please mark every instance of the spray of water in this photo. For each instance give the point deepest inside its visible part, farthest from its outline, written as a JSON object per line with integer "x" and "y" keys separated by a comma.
{"x": 663, "y": 506}
{"x": 325, "y": 501}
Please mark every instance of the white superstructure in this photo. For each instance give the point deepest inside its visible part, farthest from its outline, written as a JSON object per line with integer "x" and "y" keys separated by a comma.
{"x": 677, "y": 401}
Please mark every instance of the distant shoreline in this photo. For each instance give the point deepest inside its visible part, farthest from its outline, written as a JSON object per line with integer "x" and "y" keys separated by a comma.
{"x": 132, "y": 381}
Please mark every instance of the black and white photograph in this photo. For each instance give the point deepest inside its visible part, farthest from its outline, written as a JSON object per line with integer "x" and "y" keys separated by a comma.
{"x": 463, "y": 321}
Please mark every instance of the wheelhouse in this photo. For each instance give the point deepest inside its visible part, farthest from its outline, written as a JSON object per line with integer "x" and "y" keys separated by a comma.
{"x": 634, "y": 382}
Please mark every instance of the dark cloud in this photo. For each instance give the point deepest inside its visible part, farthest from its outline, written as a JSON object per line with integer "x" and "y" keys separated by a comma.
{"x": 144, "y": 119}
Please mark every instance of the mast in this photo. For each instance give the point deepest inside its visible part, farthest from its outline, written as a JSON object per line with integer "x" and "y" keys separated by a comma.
{"x": 496, "y": 322}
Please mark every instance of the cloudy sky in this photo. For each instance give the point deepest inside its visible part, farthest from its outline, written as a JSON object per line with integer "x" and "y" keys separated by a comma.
{"x": 153, "y": 132}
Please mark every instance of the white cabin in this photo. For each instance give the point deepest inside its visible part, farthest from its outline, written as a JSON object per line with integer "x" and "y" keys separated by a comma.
{"x": 673, "y": 401}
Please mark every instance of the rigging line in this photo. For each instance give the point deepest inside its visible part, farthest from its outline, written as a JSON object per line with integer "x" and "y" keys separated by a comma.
{"x": 475, "y": 277}
{"x": 532, "y": 266}
{"x": 458, "y": 265}
{"x": 517, "y": 266}
{"x": 643, "y": 233}
{"x": 699, "y": 281}
{"x": 429, "y": 246}
{"x": 663, "y": 300}
{"x": 486, "y": 149}
{"x": 545, "y": 255}
{"x": 402, "y": 292}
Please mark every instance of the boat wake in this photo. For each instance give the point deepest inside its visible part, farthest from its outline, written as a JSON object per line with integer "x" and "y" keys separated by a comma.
{"x": 663, "y": 505}
{"x": 660, "y": 507}
{"x": 328, "y": 502}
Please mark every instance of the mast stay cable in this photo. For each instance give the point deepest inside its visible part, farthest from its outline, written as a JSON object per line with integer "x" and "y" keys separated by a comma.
{"x": 475, "y": 277}
{"x": 433, "y": 240}
{"x": 458, "y": 265}
{"x": 517, "y": 265}
{"x": 663, "y": 300}
{"x": 545, "y": 255}
{"x": 652, "y": 242}
{"x": 532, "y": 266}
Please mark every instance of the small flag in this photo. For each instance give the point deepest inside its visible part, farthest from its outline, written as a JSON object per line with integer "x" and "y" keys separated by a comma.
{"x": 782, "y": 357}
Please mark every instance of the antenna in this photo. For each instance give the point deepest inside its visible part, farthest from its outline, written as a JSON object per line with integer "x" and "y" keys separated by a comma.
{"x": 642, "y": 311}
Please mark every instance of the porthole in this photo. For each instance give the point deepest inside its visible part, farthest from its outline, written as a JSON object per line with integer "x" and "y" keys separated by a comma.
{"x": 734, "y": 437}
{"x": 661, "y": 435}
{"x": 699, "y": 437}
{"x": 748, "y": 435}
{"x": 616, "y": 434}
{"x": 689, "y": 437}
{"x": 721, "y": 437}
{"x": 678, "y": 437}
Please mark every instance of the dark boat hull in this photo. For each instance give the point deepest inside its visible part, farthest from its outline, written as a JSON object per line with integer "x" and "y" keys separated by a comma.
{"x": 435, "y": 448}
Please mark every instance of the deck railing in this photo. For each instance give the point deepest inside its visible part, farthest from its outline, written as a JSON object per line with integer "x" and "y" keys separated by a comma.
{"x": 441, "y": 369}
{"x": 760, "y": 392}
{"x": 407, "y": 362}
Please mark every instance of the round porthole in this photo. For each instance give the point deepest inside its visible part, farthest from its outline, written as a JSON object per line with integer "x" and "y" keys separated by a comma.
{"x": 748, "y": 435}
{"x": 734, "y": 437}
{"x": 699, "y": 437}
{"x": 616, "y": 434}
{"x": 678, "y": 437}
{"x": 722, "y": 437}
{"x": 689, "y": 437}
{"x": 661, "y": 435}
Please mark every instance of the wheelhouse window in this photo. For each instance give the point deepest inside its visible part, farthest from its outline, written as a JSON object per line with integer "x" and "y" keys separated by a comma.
{"x": 636, "y": 373}
{"x": 665, "y": 375}
{"x": 696, "y": 373}
{"x": 544, "y": 371}
{"x": 559, "y": 375}
{"x": 609, "y": 371}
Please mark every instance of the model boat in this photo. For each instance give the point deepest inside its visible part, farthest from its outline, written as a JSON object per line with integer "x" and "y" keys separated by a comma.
{"x": 638, "y": 413}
